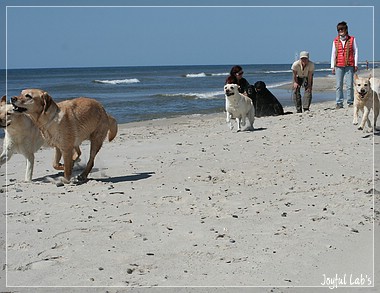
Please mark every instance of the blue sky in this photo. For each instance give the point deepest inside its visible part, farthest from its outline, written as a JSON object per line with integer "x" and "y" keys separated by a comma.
{"x": 47, "y": 37}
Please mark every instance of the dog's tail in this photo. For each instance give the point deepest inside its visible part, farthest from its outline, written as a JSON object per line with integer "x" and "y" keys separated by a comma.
{"x": 112, "y": 127}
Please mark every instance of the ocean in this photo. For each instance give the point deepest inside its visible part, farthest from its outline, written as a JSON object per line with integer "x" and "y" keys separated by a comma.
{"x": 133, "y": 94}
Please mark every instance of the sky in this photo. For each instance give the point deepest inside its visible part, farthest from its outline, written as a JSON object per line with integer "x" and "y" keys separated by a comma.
{"x": 247, "y": 33}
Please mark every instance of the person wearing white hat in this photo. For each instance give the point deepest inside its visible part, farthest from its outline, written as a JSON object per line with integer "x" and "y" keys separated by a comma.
{"x": 303, "y": 72}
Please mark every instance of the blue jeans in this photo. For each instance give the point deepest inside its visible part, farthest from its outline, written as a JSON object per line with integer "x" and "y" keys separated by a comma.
{"x": 346, "y": 74}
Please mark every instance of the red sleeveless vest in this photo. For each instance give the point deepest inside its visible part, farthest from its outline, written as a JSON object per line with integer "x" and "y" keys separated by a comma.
{"x": 344, "y": 56}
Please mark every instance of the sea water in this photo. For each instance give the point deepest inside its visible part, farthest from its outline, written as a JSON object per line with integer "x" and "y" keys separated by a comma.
{"x": 152, "y": 92}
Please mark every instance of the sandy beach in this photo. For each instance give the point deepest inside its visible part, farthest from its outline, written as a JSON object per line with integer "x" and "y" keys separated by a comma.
{"x": 187, "y": 202}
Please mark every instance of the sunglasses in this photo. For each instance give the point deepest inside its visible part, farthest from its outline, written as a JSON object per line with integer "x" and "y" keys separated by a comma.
{"x": 240, "y": 73}
{"x": 341, "y": 29}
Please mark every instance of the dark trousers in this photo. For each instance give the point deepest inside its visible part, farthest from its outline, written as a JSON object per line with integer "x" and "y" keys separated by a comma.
{"x": 307, "y": 96}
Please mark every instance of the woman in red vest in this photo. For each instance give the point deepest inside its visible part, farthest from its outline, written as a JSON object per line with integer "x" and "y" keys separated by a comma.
{"x": 344, "y": 62}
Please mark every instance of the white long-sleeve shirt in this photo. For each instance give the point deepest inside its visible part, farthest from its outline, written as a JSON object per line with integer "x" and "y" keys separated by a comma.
{"x": 333, "y": 53}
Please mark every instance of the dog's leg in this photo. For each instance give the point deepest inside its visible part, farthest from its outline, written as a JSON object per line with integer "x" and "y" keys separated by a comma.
{"x": 251, "y": 118}
{"x": 96, "y": 144}
{"x": 375, "y": 111}
{"x": 238, "y": 124}
{"x": 375, "y": 115}
{"x": 228, "y": 120}
{"x": 243, "y": 120}
{"x": 67, "y": 164}
{"x": 7, "y": 153}
{"x": 76, "y": 154}
{"x": 58, "y": 155}
{"x": 3, "y": 158}
{"x": 365, "y": 119}
{"x": 356, "y": 113}
{"x": 29, "y": 166}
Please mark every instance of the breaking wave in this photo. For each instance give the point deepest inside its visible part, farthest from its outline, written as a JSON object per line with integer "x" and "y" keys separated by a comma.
{"x": 117, "y": 81}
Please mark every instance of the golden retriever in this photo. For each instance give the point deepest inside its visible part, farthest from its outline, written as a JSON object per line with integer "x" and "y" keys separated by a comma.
{"x": 365, "y": 100}
{"x": 66, "y": 124}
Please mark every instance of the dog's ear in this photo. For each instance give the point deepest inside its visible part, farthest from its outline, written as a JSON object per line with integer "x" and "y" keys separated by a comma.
{"x": 370, "y": 76}
{"x": 47, "y": 100}
{"x": 356, "y": 76}
{"x": 3, "y": 99}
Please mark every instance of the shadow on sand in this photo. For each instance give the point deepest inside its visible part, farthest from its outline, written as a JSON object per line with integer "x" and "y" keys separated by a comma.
{"x": 126, "y": 178}
{"x": 55, "y": 178}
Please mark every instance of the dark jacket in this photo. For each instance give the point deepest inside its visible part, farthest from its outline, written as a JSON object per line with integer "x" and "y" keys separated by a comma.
{"x": 243, "y": 83}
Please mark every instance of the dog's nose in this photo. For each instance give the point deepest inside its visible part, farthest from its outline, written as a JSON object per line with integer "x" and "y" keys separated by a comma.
{"x": 362, "y": 91}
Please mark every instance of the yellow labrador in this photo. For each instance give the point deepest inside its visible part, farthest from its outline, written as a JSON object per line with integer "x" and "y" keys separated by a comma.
{"x": 238, "y": 106}
{"x": 21, "y": 137}
{"x": 66, "y": 124}
{"x": 365, "y": 100}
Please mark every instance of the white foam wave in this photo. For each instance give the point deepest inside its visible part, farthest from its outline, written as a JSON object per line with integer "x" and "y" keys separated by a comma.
{"x": 118, "y": 81}
{"x": 208, "y": 95}
{"x": 202, "y": 74}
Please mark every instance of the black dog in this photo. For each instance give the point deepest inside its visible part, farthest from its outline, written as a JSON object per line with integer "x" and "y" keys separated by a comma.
{"x": 266, "y": 104}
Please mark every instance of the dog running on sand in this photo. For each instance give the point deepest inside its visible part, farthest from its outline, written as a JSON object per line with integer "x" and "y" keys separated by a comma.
{"x": 21, "y": 137}
{"x": 365, "y": 99}
{"x": 66, "y": 124}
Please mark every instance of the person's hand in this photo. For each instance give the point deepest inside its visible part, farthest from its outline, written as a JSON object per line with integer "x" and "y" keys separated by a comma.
{"x": 333, "y": 71}
{"x": 295, "y": 85}
{"x": 355, "y": 68}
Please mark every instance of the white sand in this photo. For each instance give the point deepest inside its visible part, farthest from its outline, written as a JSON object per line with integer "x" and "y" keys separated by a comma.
{"x": 187, "y": 202}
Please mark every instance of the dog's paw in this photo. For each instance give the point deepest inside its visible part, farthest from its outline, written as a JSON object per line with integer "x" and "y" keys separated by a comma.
{"x": 63, "y": 180}
{"x": 59, "y": 166}
{"x": 80, "y": 179}
{"x": 360, "y": 128}
{"x": 355, "y": 122}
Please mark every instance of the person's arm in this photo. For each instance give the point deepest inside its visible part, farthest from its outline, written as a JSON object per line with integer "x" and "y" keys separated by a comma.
{"x": 356, "y": 55}
{"x": 333, "y": 57}
{"x": 310, "y": 80}
{"x": 295, "y": 81}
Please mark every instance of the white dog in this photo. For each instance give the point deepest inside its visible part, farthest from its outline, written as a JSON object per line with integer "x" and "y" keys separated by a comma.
{"x": 238, "y": 107}
{"x": 21, "y": 137}
{"x": 375, "y": 84}
{"x": 365, "y": 100}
